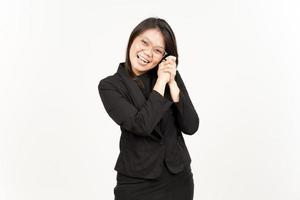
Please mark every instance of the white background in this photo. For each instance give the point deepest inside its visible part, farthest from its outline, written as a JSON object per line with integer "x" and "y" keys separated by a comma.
{"x": 238, "y": 59}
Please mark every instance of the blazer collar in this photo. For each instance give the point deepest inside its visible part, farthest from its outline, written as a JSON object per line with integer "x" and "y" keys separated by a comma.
{"x": 133, "y": 89}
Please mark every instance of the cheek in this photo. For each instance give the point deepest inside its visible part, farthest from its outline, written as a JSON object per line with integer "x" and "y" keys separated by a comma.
{"x": 155, "y": 62}
{"x": 133, "y": 51}
{"x": 134, "y": 48}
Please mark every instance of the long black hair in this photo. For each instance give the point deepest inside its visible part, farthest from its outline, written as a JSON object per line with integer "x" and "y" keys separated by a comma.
{"x": 153, "y": 23}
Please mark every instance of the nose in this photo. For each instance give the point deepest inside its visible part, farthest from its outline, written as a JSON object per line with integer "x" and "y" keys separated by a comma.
{"x": 148, "y": 52}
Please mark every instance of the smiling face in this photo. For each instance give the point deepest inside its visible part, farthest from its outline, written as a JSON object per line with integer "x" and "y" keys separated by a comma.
{"x": 145, "y": 51}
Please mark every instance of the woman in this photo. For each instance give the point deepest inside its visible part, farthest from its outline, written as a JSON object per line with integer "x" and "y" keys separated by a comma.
{"x": 147, "y": 98}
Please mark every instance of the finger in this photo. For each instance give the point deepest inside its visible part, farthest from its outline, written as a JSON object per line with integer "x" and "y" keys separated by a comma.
{"x": 165, "y": 63}
{"x": 166, "y": 71}
{"x": 172, "y": 66}
{"x": 170, "y": 63}
{"x": 169, "y": 71}
{"x": 171, "y": 58}
{"x": 168, "y": 66}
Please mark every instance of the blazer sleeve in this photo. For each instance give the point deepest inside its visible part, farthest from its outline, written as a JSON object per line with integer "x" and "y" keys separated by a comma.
{"x": 185, "y": 114}
{"x": 138, "y": 121}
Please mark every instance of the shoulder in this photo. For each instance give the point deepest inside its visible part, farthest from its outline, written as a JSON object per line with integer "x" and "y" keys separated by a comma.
{"x": 114, "y": 79}
{"x": 109, "y": 81}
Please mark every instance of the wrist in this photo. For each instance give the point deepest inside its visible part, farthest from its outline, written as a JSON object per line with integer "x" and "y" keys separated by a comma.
{"x": 172, "y": 83}
{"x": 162, "y": 81}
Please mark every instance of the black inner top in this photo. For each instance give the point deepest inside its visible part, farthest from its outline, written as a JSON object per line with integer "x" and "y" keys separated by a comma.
{"x": 144, "y": 81}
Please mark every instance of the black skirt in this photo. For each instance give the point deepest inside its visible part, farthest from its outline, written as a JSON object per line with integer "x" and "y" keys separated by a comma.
{"x": 167, "y": 187}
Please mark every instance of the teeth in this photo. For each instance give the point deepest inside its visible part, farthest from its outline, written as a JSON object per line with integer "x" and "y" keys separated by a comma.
{"x": 143, "y": 59}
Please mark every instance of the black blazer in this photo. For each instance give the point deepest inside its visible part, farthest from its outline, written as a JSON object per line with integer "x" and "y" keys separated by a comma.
{"x": 151, "y": 129}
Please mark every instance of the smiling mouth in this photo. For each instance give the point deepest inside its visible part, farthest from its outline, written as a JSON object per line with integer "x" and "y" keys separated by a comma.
{"x": 143, "y": 59}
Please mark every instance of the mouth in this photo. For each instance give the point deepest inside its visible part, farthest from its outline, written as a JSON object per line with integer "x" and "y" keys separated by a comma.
{"x": 144, "y": 60}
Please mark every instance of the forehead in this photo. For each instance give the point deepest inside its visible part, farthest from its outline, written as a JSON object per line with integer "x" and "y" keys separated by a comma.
{"x": 154, "y": 36}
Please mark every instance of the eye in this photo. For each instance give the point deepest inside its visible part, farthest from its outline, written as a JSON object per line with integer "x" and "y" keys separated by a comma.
{"x": 144, "y": 42}
{"x": 158, "y": 51}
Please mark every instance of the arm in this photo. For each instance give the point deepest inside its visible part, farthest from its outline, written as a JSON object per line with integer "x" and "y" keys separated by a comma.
{"x": 140, "y": 122}
{"x": 186, "y": 114}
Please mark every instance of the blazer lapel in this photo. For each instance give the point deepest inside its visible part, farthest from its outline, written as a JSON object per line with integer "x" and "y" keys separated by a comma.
{"x": 134, "y": 91}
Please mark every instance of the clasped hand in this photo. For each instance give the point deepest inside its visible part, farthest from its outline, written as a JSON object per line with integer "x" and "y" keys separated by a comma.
{"x": 167, "y": 69}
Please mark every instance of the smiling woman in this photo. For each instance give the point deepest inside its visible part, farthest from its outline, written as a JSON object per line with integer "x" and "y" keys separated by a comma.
{"x": 143, "y": 48}
{"x": 148, "y": 99}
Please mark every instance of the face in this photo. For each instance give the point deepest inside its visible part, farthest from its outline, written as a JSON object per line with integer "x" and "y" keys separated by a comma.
{"x": 146, "y": 51}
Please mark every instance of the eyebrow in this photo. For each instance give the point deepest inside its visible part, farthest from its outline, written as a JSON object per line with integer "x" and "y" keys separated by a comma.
{"x": 152, "y": 43}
